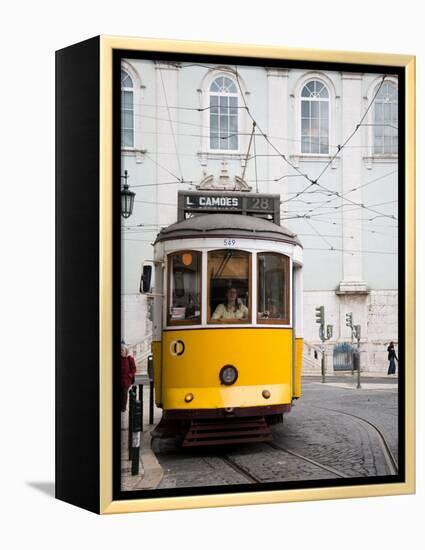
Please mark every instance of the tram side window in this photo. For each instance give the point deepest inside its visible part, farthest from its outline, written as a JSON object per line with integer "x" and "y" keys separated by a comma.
{"x": 184, "y": 305}
{"x": 273, "y": 288}
{"x": 229, "y": 286}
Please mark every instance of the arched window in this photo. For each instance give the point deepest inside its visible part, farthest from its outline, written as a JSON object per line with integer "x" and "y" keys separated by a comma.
{"x": 385, "y": 120}
{"x": 127, "y": 110}
{"x": 223, "y": 114}
{"x": 315, "y": 118}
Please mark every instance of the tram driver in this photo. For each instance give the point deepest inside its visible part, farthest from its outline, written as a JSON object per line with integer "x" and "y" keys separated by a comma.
{"x": 233, "y": 308}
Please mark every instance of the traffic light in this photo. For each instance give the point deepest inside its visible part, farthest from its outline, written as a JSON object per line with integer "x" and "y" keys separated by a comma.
{"x": 349, "y": 320}
{"x": 320, "y": 315}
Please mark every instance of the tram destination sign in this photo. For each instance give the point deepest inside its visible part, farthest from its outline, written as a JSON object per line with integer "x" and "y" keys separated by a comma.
{"x": 249, "y": 204}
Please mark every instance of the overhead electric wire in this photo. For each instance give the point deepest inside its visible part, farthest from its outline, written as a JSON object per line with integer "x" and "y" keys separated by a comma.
{"x": 171, "y": 124}
{"x": 180, "y": 180}
{"x": 255, "y": 162}
{"x": 158, "y": 202}
{"x": 342, "y": 195}
{"x": 340, "y": 148}
{"x": 321, "y": 236}
{"x": 298, "y": 194}
{"x": 361, "y": 205}
{"x": 189, "y": 182}
{"x": 261, "y": 131}
{"x": 353, "y": 133}
{"x": 248, "y": 150}
{"x": 360, "y": 227}
{"x": 206, "y": 134}
{"x": 312, "y": 182}
{"x": 140, "y": 240}
{"x": 175, "y": 107}
{"x": 334, "y": 208}
{"x": 388, "y": 125}
{"x": 353, "y": 251}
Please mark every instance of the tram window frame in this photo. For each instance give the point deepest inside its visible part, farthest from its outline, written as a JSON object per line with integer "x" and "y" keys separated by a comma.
{"x": 248, "y": 320}
{"x": 287, "y": 289}
{"x": 183, "y": 322}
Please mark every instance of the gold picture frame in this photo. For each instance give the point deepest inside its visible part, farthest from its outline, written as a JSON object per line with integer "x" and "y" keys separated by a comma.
{"x": 106, "y": 47}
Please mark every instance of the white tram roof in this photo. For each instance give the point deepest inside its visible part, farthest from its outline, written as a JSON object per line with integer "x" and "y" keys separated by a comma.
{"x": 219, "y": 225}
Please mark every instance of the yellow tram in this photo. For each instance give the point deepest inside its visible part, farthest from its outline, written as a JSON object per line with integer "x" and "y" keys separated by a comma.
{"x": 227, "y": 320}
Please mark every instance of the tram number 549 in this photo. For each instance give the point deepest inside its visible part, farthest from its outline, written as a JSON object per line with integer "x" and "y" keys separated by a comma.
{"x": 229, "y": 242}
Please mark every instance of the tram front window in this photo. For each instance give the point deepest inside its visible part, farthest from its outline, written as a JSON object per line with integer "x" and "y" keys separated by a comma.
{"x": 229, "y": 285}
{"x": 273, "y": 288}
{"x": 184, "y": 305}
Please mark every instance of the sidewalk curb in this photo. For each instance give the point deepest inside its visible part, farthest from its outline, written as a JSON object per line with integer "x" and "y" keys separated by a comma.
{"x": 153, "y": 472}
{"x": 347, "y": 374}
{"x": 364, "y": 386}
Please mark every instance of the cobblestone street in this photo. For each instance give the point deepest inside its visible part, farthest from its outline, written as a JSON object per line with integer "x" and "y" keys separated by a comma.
{"x": 334, "y": 431}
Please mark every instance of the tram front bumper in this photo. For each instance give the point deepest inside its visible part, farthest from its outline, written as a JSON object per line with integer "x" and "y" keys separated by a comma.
{"x": 227, "y": 397}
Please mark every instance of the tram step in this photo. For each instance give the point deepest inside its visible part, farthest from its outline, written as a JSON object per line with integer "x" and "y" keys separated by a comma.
{"x": 226, "y": 432}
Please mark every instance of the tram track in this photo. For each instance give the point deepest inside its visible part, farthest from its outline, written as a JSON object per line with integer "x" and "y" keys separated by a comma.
{"x": 390, "y": 459}
{"x": 309, "y": 460}
{"x": 231, "y": 462}
{"x": 240, "y": 470}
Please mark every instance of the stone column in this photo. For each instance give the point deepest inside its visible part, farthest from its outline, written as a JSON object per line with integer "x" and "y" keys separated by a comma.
{"x": 351, "y": 177}
{"x": 167, "y": 141}
{"x": 353, "y": 290}
{"x": 277, "y": 127}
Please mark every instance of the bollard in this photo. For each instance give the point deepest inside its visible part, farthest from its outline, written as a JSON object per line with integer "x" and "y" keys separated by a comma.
{"x": 132, "y": 398}
{"x": 142, "y": 402}
{"x": 151, "y": 388}
{"x": 151, "y": 395}
{"x": 136, "y": 428}
{"x": 150, "y": 367}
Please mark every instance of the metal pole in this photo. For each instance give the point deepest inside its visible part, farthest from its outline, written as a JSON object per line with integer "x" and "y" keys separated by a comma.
{"x": 141, "y": 402}
{"x": 151, "y": 402}
{"x": 358, "y": 365}
{"x": 135, "y": 458}
{"x": 323, "y": 365}
{"x": 130, "y": 420}
{"x": 135, "y": 438}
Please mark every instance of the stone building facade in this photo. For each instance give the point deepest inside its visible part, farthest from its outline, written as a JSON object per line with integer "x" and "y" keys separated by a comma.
{"x": 190, "y": 125}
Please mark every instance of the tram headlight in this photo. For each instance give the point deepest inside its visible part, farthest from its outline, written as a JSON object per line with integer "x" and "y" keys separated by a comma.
{"x": 228, "y": 375}
{"x": 188, "y": 397}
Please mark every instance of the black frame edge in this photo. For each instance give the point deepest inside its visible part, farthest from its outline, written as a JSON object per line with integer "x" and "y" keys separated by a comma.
{"x": 77, "y": 463}
{"x": 120, "y": 54}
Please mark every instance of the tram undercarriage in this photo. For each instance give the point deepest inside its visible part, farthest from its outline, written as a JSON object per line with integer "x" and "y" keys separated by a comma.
{"x": 220, "y": 426}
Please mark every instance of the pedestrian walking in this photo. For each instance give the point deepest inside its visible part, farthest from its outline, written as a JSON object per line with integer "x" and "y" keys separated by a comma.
{"x": 392, "y": 358}
{"x": 128, "y": 371}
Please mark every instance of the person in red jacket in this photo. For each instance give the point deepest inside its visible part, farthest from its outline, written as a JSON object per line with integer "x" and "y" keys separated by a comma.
{"x": 128, "y": 370}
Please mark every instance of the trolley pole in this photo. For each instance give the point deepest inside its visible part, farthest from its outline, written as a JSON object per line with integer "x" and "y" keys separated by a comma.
{"x": 320, "y": 319}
